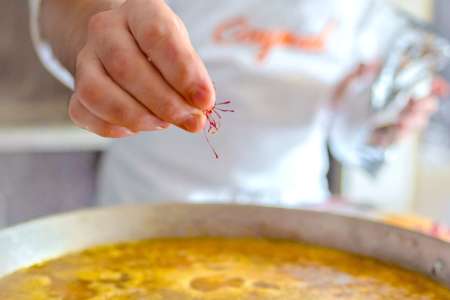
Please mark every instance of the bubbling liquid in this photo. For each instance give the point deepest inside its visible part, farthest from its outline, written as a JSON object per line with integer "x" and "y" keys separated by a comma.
{"x": 217, "y": 269}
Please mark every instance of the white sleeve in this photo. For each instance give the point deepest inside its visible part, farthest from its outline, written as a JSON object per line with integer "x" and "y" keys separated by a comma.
{"x": 44, "y": 50}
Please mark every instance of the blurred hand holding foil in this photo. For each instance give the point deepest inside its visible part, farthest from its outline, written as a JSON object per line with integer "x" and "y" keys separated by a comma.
{"x": 377, "y": 98}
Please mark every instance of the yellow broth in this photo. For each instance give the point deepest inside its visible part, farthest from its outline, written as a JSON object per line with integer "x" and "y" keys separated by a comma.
{"x": 215, "y": 268}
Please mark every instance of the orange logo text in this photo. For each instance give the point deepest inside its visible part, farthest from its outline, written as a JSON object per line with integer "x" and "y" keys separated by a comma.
{"x": 238, "y": 30}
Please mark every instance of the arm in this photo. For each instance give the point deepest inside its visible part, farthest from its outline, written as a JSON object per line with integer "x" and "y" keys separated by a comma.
{"x": 63, "y": 24}
{"x": 348, "y": 140}
{"x": 133, "y": 64}
{"x": 378, "y": 29}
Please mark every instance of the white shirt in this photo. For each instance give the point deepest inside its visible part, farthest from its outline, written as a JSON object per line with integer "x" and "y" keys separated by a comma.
{"x": 273, "y": 148}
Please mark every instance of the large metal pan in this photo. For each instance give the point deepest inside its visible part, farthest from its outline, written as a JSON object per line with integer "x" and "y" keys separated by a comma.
{"x": 40, "y": 240}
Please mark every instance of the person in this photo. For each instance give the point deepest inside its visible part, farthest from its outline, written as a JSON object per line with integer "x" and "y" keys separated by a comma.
{"x": 146, "y": 71}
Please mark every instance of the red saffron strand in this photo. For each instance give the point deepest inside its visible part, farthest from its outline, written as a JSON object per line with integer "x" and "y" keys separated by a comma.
{"x": 216, "y": 155}
{"x": 213, "y": 117}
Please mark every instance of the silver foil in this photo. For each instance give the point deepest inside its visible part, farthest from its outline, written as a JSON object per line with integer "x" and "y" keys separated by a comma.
{"x": 415, "y": 57}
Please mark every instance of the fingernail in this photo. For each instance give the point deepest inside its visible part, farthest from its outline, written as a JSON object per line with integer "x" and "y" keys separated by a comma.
{"x": 124, "y": 132}
{"x": 201, "y": 96}
{"x": 162, "y": 127}
{"x": 193, "y": 122}
{"x": 149, "y": 123}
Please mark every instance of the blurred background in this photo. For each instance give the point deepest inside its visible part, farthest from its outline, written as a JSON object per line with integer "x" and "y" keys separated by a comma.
{"x": 47, "y": 165}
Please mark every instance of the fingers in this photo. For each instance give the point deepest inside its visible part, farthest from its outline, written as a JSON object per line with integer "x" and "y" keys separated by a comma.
{"x": 130, "y": 69}
{"x": 440, "y": 87}
{"x": 83, "y": 118}
{"x": 413, "y": 123}
{"x": 426, "y": 106}
{"x": 413, "y": 119}
{"x": 139, "y": 72}
{"x": 107, "y": 101}
{"x": 164, "y": 40}
{"x": 362, "y": 70}
{"x": 417, "y": 114}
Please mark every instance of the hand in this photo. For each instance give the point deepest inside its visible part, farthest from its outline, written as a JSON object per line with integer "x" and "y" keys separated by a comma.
{"x": 414, "y": 117}
{"x": 138, "y": 71}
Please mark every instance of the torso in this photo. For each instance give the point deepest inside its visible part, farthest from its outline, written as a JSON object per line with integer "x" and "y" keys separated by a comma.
{"x": 278, "y": 65}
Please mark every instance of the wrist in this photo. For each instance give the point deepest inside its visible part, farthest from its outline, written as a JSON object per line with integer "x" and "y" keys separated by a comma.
{"x": 64, "y": 23}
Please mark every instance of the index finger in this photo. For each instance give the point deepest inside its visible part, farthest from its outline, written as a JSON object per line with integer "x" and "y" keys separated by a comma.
{"x": 163, "y": 38}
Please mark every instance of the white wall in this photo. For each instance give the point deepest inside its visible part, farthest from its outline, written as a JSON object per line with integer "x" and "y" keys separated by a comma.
{"x": 420, "y": 8}
{"x": 433, "y": 180}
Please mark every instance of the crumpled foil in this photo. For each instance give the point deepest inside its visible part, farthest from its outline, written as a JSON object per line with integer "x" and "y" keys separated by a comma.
{"x": 416, "y": 56}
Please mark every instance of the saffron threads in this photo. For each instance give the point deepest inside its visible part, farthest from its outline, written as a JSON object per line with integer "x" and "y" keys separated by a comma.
{"x": 214, "y": 118}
